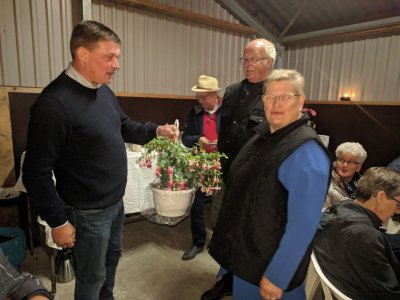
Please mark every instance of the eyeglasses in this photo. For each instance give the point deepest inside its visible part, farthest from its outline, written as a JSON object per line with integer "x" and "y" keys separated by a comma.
{"x": 284, "y": 98}
{"x": 340, "y": 161}
{"x": 398, "y": 202}
{"x": 251, "y": 60}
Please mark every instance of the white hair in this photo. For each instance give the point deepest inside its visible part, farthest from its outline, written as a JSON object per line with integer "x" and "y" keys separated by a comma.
{"x": 270, "y": 50}
{"x": 294, "y": 77}
{"x": 355, "y": 149}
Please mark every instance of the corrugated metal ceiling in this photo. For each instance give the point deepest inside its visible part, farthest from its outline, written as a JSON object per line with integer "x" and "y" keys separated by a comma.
{"x": 312, "y": 15}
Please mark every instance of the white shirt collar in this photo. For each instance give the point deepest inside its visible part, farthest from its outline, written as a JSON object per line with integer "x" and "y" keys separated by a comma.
{"x": 74, "y": 74}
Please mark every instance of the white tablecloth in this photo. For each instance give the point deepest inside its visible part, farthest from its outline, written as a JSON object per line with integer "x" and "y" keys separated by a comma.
{"x": 138, "y": 180}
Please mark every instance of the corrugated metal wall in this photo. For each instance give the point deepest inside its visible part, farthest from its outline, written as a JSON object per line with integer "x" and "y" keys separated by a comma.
{"x": 160, "y": 54}
{"x": 34, "y": 39}
{"x": 163, "y": 55}
{"x": 367, "y": 69}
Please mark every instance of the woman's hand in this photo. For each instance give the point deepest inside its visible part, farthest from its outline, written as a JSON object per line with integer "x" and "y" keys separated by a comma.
{"x": 269, "y": 291}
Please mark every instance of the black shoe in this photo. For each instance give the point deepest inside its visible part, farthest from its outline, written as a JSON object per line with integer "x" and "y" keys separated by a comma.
{"x": 192, "y": 252}
{"x": 221, "y": 288}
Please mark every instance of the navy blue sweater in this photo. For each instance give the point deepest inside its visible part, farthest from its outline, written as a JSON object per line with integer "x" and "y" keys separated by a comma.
{"x": 79, "y": 134}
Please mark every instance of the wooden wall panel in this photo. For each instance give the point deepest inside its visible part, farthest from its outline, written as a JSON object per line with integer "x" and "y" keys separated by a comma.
{"x": 373, "y": 125}
{"x": 139, "y": 108}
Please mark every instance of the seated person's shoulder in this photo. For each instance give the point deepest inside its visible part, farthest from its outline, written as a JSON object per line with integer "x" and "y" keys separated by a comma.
{"x": 395, "y": 164}
{"x": 362, "y": 234}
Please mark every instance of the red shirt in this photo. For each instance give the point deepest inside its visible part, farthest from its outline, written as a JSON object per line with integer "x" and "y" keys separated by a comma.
{"x": 210, "y": 129}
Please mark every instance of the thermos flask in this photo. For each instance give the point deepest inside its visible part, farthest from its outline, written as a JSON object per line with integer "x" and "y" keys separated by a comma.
{"x": 65, "y": 265}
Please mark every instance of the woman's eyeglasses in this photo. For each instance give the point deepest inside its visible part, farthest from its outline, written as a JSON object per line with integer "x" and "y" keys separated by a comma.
{"x": 284, "y": 98}
{"x": 340, "y": 161}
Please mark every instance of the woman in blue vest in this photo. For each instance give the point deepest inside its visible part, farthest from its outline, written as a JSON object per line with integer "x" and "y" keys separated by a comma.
{"x": 273, "y": 199}
{"x": 202, "y": 128}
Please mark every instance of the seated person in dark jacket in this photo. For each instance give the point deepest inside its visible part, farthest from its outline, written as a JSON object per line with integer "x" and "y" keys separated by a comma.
{"x": 395, "y": 164}
{"x": 202, "y": 128}
{"x": 350, "y": 247}
{"x": 17, "y": 286}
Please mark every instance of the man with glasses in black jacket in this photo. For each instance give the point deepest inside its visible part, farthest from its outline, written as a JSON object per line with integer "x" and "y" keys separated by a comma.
{"x": 242, "y": 110}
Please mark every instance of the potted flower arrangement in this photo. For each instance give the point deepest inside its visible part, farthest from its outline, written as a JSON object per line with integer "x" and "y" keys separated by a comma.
{"x": 179, "y": 171}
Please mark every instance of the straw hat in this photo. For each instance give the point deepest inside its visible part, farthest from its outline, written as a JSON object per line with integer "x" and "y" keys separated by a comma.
{"x": 206, "y": 84}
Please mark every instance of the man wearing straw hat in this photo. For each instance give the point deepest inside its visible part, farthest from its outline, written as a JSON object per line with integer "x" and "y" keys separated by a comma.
{"x": 202, "y": 128}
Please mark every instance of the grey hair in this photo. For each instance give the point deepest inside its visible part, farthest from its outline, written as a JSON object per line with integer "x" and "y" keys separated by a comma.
{"x": 294, "y": 77}
{"x": 270, "y": 50}
{"x": 355, "y": 149}
{"x": 88, "y": 33}
{"x": 378, "y": 179}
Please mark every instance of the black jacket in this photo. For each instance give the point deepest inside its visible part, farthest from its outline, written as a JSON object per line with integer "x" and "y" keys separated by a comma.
{"x": 242, "y": 110}
{"x": 354, "y": 254}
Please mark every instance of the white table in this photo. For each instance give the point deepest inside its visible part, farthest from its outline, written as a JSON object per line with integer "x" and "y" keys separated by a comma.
{"x": 138, "y": 180}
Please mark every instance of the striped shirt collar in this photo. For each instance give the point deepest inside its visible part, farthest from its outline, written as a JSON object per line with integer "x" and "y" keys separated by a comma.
{"x": 74, "y": 74}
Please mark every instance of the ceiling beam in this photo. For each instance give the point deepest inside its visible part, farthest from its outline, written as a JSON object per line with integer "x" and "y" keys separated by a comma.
{"x": 244, "y": 15}
{"x": 187, "y": 15}
{"x": 360, "y": 29}
{"x": 294, "y": 18}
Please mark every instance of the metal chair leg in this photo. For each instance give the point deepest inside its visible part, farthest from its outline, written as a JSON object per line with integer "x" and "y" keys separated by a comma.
{"x": 53, "y": 254}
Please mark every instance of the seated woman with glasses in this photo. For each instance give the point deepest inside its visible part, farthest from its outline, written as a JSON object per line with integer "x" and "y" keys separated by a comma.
{"x": 346, "y": 173}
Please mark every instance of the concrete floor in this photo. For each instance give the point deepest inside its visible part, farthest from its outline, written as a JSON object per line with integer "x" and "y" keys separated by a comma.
{"x": 150, "y": 268}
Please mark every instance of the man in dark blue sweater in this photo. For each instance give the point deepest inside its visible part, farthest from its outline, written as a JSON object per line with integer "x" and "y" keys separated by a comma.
{"x": 77, "y": 130}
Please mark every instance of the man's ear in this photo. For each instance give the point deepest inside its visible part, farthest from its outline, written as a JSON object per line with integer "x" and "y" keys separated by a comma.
{"x": 381, "y": 197}
{"x": 270, "y": 62}
{"x": 81, "y": 53}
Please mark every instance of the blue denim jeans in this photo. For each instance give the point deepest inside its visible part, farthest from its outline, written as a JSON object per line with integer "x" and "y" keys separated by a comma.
{"x": 97, "y": 250}
{"x": 197, "y": 220}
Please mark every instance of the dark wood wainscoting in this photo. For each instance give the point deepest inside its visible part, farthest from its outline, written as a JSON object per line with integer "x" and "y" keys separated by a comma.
{"x": 375, "y": 125}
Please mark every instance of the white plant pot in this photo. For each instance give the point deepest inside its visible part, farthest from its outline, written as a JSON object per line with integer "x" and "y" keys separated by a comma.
{"x": 172, "y": 203}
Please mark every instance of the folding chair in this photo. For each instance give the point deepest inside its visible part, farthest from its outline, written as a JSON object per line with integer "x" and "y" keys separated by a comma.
{"x": 328, "y": 288}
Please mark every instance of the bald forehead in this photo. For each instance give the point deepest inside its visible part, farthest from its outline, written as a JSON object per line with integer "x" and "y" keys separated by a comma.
{"x": 259, "y": 43}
